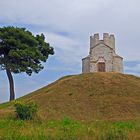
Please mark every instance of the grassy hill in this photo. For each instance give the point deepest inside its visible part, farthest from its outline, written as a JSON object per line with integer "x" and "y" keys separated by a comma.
{"x": 93, "y": 106}
{"x": 87, "y": 97}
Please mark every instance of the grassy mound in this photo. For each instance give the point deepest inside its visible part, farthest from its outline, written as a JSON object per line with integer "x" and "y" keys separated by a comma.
{"x": 87, "y": 97}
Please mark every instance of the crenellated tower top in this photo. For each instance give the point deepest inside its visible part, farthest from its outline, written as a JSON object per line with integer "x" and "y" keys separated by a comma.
{"x": 107, "y": 39}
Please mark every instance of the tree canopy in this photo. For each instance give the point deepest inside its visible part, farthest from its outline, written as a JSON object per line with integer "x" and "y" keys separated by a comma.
{"x": 21, "y": 51}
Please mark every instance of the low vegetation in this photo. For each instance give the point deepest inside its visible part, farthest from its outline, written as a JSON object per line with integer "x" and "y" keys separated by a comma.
{"x": 68, "y": 129}
{"x": 25, "y": 111}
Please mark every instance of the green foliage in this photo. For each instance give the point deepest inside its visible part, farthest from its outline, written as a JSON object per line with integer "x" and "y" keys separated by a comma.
{"x": 26, "y": 111}
{"x": 54, "y": 130}
{"x": 21, "y": 51}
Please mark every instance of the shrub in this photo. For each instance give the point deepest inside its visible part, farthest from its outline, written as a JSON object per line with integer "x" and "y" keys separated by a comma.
{"x": 26, "y": 111}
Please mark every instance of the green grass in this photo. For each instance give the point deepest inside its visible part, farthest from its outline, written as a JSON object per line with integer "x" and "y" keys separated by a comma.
{"x": 68, "y": 129}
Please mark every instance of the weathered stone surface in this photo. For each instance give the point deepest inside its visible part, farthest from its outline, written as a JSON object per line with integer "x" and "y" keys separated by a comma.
{"x": 102, "y": 52}
{"x": 85, "y": 64}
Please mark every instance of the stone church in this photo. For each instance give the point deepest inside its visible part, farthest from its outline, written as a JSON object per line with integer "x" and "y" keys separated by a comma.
{"x": 102, "y": 56}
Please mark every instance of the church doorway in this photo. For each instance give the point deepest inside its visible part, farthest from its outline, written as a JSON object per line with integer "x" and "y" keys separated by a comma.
{"x": 101, "y": 67}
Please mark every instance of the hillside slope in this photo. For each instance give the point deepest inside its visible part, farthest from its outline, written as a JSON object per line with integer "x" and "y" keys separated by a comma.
{"x": 107, "y": 96}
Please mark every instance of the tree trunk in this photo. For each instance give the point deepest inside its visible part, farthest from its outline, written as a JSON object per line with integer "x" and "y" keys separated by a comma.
{"x": 11, "y": 83}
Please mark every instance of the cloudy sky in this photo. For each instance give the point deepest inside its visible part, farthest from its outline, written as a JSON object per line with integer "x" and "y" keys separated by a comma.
{"x": 67, "y": 25}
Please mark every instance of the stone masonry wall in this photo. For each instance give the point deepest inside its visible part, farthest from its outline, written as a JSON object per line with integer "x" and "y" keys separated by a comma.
{"x": 118, "y": 64}
{"x": 101, "y": 51}
{"x": 85, "y": 65}
{"x": 104, "y": 50}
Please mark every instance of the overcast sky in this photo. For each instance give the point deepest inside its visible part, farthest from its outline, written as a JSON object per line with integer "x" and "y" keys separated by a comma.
{"x": 67, "y": 26}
